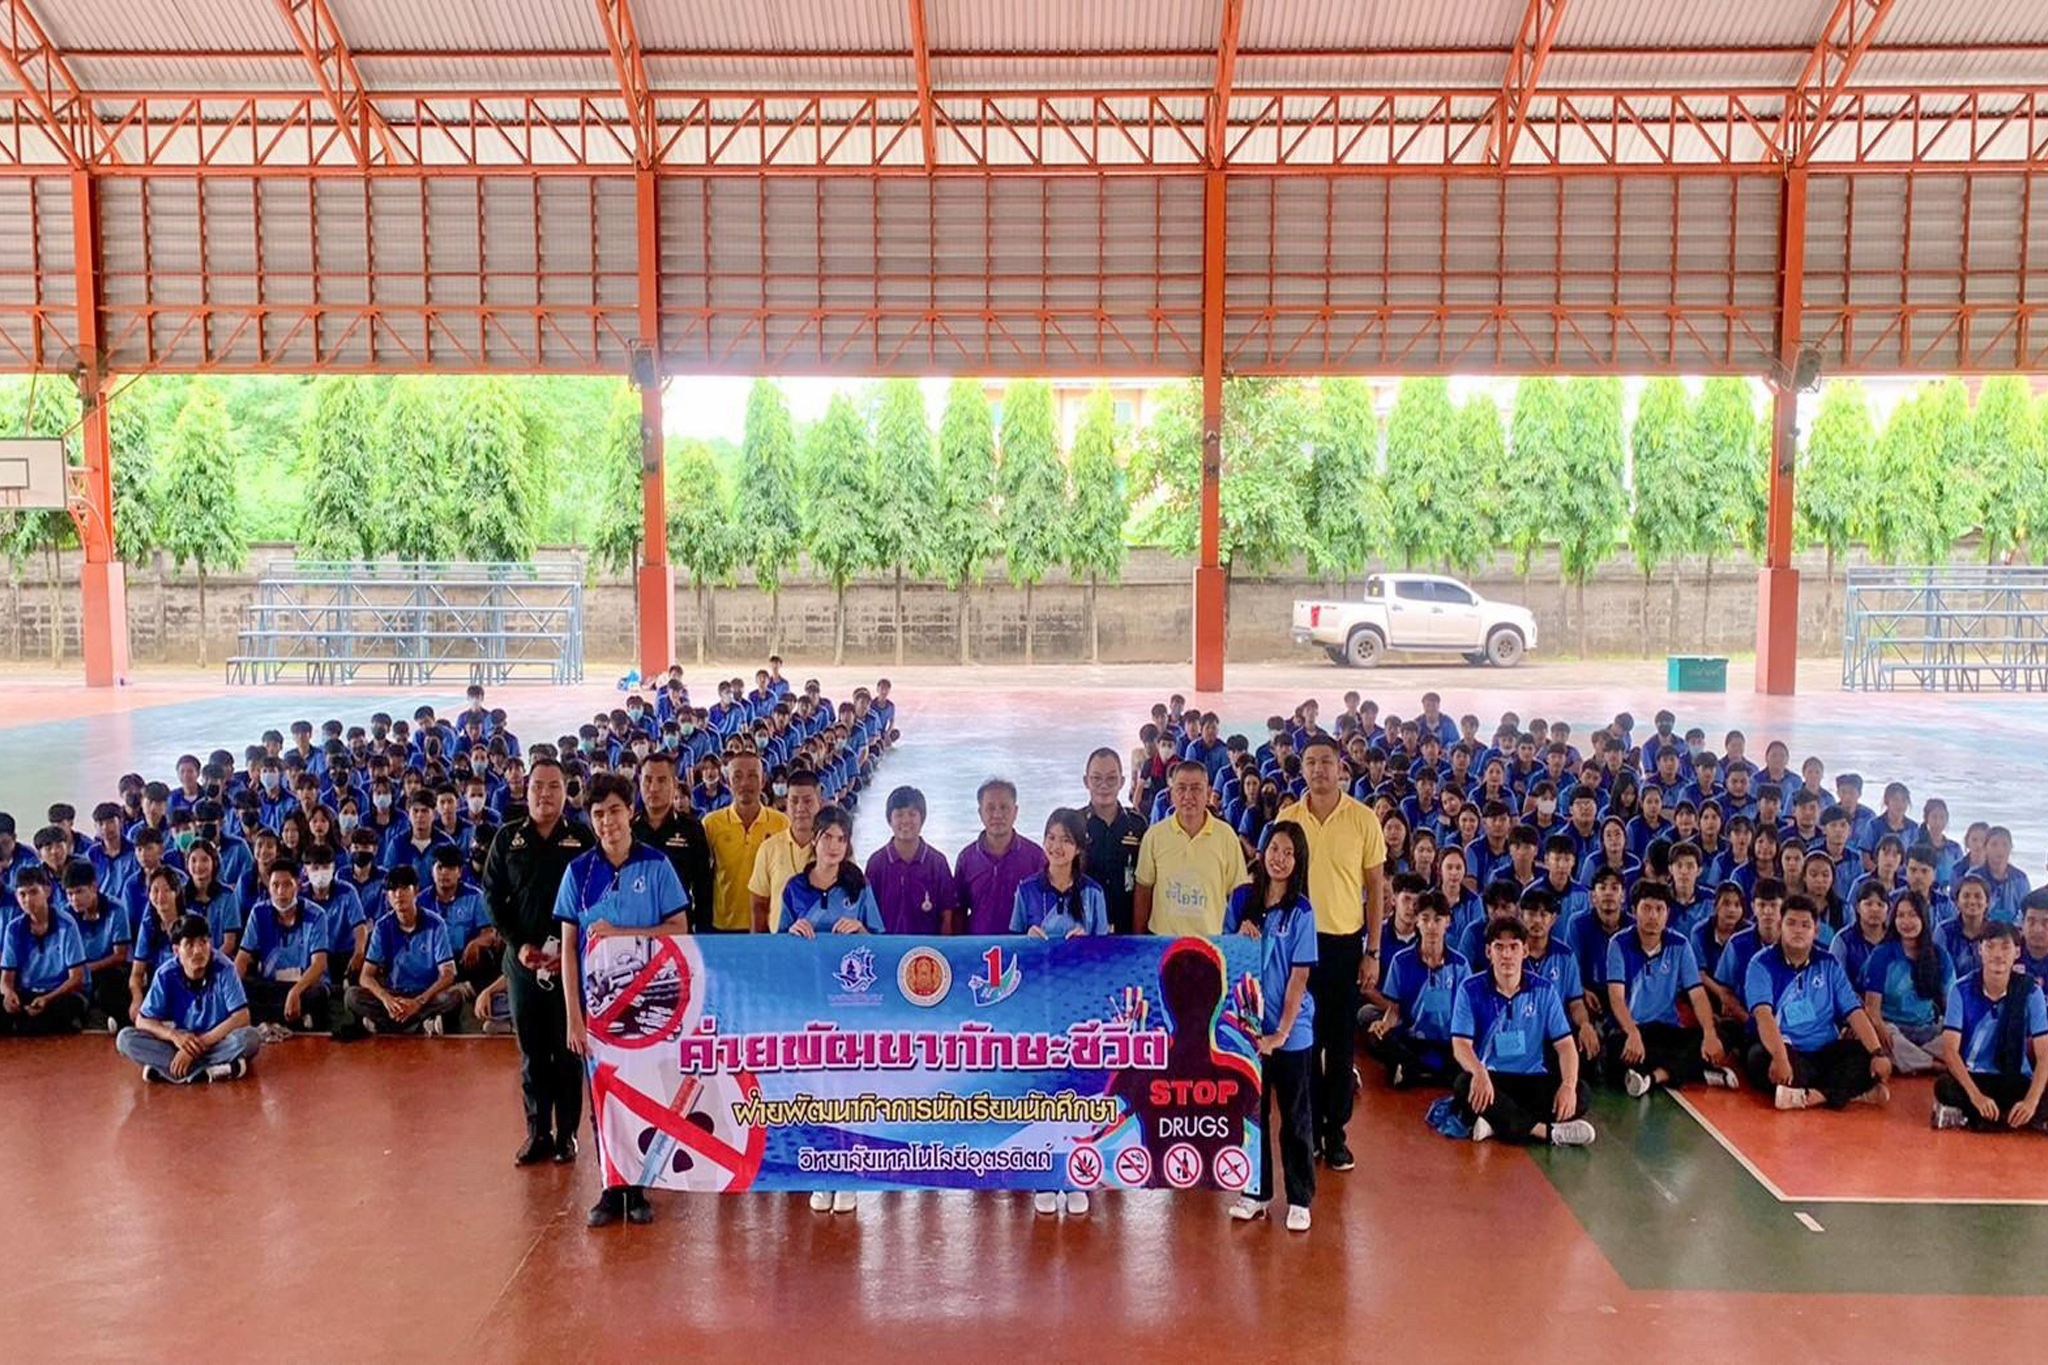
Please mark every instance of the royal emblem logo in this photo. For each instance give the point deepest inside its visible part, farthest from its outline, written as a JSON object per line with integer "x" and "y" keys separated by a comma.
{"x": 924, "y": 976}
{"x": 856, "y": 974}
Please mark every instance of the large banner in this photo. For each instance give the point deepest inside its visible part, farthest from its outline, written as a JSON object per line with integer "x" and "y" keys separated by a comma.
{"x": 766, "y": 1062}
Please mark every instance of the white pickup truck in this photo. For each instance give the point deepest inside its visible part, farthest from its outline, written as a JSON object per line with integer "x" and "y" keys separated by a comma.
{"x": 1420, "y": 612}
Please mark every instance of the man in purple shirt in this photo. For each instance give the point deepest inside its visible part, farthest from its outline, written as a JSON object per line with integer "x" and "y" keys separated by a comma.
{"x": 913, "y": 886}
{"x": 988, "y": 871}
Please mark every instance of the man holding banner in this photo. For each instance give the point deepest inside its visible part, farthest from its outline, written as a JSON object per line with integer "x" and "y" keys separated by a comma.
{"x": 619, "y": 887}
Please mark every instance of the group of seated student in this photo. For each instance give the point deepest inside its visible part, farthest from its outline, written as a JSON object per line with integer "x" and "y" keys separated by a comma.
{"x": 338, "y": 883}
{"x": 1703, "y": 917}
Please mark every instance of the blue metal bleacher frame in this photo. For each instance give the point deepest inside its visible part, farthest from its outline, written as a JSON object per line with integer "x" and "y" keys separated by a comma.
{"x": 406, "y": 623}
{"x": 1946, "y": 629}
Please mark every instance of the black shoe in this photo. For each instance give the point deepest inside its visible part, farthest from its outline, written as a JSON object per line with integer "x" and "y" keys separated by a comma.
{"x": 638, "y": 1211}
{"x": 352, "y": 1031}
{"x": 537, "y": 1148}
{"x": 609, "y": 1208}
{"x": 1339, "y": 1157}
{"x": 565, "y": 1151}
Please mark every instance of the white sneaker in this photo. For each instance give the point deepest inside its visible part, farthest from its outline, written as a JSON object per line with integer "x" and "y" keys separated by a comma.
{"x": 844, "y": 1201}
{"x": 1571, "y": 1133}
{"x": 432, "y": 1026}
{"x": 1879, "y": 1093}
{"x": 1077, "y": 1202}
{"x": 1297, "y": 1218}
{"x": 1637, "y": 1083}
{"x": 1481, "y": 1130}
{"x": 220, "y": 1071}
{"x": 1948, "y": 1116}
{"x": 1244, "y": 1208}
{"x": 1045, "y": 1201}
{"x": 1723, "y": 1078}
{"x": 1787, "y": 1097}
{"x": 821, "y": 1201}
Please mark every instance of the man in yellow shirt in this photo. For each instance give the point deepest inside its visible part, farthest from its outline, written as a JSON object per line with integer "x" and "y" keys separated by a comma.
{"x": 1187, "y": 866}
{"x": 1347, "y": 855}
{"x": 786, "y": 854}
{"x": 736, "y": 834}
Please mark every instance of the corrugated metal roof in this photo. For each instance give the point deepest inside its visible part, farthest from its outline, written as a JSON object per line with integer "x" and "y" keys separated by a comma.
{"x": 1967, "y": 21}
{"x": 1383, "y": 23}
{"x": 508, "y": 24}
{"x": 773, "y": 25}
{"x": 1728, "y": 23}
{"x": 214, "y": 25}
{"x": 1074, "y": 25}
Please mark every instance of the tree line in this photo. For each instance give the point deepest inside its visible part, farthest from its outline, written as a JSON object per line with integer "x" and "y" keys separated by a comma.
{"x": 490, "y": 468}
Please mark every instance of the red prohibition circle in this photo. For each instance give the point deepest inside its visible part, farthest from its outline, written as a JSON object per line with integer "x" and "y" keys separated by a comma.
{"x": 1134, "y": 1166}
{"x": 1182, "y": 1165}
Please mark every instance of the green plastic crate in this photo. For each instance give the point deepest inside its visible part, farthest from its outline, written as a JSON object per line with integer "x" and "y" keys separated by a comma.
{"x": 1695, "y": 673}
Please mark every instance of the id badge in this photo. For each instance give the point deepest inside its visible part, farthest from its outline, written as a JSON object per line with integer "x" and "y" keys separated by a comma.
{"x": 288, "y": 975}
{"x": 1799, "y": 1012}
{"x": 1510, "y": 1045}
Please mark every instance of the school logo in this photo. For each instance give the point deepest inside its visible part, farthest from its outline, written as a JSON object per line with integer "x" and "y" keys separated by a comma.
{"x": 856, "y": 974}
{"x": 999, "y": 979}
{"x": 924, "y": 976}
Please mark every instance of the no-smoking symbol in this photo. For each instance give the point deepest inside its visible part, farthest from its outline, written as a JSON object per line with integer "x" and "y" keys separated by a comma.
{"x": 1233, "y": 1169}
{"x": 1134, "y": 1166}
{"x": 1183, "y": 1166}
{"x": 1084, "y": 1167}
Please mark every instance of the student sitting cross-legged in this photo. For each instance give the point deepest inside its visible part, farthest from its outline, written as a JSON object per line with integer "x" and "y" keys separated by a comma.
{"x": 1996, "y": 1036}
{"x": 408, "y": 983}
{"x": 282, "y": 957}
{"x": 1519, "y": 1070}
{"x": 1412, "y": 1036}
{"x": 42, "y": 961}
{"x": 193, "y": 1024}
{"x": 1650, "y": 969}
{"x": 1799, "y": 1001}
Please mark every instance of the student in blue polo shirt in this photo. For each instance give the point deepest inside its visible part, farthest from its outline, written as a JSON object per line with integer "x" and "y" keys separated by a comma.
{"x": 1710, "y": 939}
{"x": 1588, "y": 935}
{"x": 1649, "y": 969}
{"x": 103, "y": 930}
{"x": 1273, "y": 908}
{"x": 619, "y": 887}
{"x": 1869, "y": 928}
{"x": 152, "y": 946}
{"x": 1551, "y": 958}
{"x": 1062, "y": 901}
{"x": 833, "y": 896}
{"x": 1960, "y": 936}
{"x": 1906, "y": 984}
{"x": 1995, "y": 1049}
{"x": 2007, "y": 884}
{"x": 1691, "y": 903}
{"x": 1923, "y": 874}
{"x": 207, "y": 893}
{"x": 1518, "y": 1077}
{"x": 42, "y": 963}
{"x": 408, "y": 982}
{"x": 283, "y": 957}
{"x": 1800, "y": 1001}
{"x": 1412, "y": 1036}
{"x": 193, "y": 1023}
{"x": 2034, "y": 936}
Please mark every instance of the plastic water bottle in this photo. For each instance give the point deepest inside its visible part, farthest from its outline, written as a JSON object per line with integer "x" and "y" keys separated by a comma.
{"x": 552, "y": 951}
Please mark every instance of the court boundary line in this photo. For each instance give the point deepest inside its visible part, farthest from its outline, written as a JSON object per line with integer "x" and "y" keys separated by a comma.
{"x": 1771, "y": 1187}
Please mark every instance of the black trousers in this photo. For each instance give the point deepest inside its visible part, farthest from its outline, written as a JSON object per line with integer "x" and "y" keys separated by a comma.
{"x": 1666, "y": 1047}
{"x": 266, "y": 1003}
{"x": 1840, "y": 1071}
{"x": 1422, "y": 1062}
{"x": 550, "y": 1076}
{"x": 107, "y": 994}
{"x": 2005, "y": 1092}
{"x": 1333, "y": 985}
{"x": 1285, "y": 1090}
{"x": 1520, "y": 1103}
{"x": 66, "y": 1014}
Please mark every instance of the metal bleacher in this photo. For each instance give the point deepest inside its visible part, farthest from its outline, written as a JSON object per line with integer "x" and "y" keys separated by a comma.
{"x": 408, "y": 623}
{"x": 1946, "y": 629}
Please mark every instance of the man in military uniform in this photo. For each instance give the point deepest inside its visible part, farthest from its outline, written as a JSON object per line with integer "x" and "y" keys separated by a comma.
{"x": 665, "y": 823}
{"x": 1114, "y": 833}
{"x": 522, "y": 874}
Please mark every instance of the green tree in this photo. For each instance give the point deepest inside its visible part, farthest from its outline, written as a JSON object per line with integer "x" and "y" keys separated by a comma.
{"x": 1902, "y": 518}
{"x": 45, "y": 405}
{"x": 701, "y": 534}
{"x": 134, "y": 450}
{"x": 1660, "y": 527}
{"x": 1095, "y": 547}
{"x": 203, "y": 521}
{"x": 340, "y": 519}
{"x": 1952, "y": 449}
{"x": 767, "y": 511}
{"x": 1424, "y": 474}
{"x": 906, "y": 467}
{"x": 2009, "y": 460}
{"x": 417, "y": 504}
{"x": 964, "y": 532}
{"x": 1348, "y": 517}
{"x": 1033, "y": 516}
{"x": 1469, "y": 517}
{"x": 1725, "y": 435}
{"x": 1834, "y": 471}
{"x": 496, "y": 487}
{"x": 618, "y": 523}
{"x": 840, "y": 505}
{"x": 1592, "y": 504}
{"x": 1534, "y": 474}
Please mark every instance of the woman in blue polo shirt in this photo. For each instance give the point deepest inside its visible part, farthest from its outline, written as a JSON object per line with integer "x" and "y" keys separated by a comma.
{"x": 193, "y": 1024}
{"x": 1062, "y": 901}
{"x": 153, "y": 935}
{"x": 833, "y": 897}
{"x": 1518, "y": 1077}
{"x": 1906, "y": 983}
{"x": 206, "y": 894}
{"x": 1273, "y": 908}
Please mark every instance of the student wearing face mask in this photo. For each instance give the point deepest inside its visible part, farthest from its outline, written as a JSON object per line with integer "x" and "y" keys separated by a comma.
{"x": 348, "y": 919}
{"x": 361, "y": 873}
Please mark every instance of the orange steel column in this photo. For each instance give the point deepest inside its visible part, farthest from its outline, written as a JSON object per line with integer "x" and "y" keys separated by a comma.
{"x": 1777, "y": 583}
{"x": 103, "y": 616}
{"x": 657, "y": 628}
{"x": 1209, "y": 572}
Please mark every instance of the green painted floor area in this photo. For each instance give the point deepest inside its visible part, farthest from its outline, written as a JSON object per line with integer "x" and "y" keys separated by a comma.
{"x": 1671, "y": 1210}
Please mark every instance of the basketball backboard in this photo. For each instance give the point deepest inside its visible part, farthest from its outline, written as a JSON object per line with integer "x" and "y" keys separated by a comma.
{"x": 31, "y": 473}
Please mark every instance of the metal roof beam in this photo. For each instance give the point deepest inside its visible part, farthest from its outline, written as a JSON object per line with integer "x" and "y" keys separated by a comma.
{"x": 1518, "y": 87}
{"x": 1826, "y": 75}
{"x": 334, "y": 70}
{"x": 1226, "y": 73}
{"x": 630, "y": 61}
{"x": 921, "y": 55}
{"x": 60, "y": 106}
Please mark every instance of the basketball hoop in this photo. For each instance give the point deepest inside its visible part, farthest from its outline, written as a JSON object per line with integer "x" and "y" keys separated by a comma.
{"x": 32, "y": 474}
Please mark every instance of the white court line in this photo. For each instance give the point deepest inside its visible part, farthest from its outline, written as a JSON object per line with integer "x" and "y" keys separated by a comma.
{"x": 1809, "y": 1222}
{"x": 1783, "y": 1198}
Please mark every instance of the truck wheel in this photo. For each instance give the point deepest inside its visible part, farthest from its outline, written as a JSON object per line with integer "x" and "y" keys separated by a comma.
{"x": 1362, "y": 649}
{"x": 1504, "y": 647}
{"x": 1336, "y": 655}
{"x": 1476, "y": 658}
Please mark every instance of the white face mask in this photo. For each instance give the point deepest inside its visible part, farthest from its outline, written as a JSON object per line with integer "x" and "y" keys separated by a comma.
{"x": 476, "y": 805}
{"x": 689, "y": 727}
{"x": 782, "y": 789}
{"x": 1546, "y": 807}
{"x": 640, "y": 747}
{"x": 320, "y": 878}
{"x": 381, "y": 800}
{"x": 347, "y": 822}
